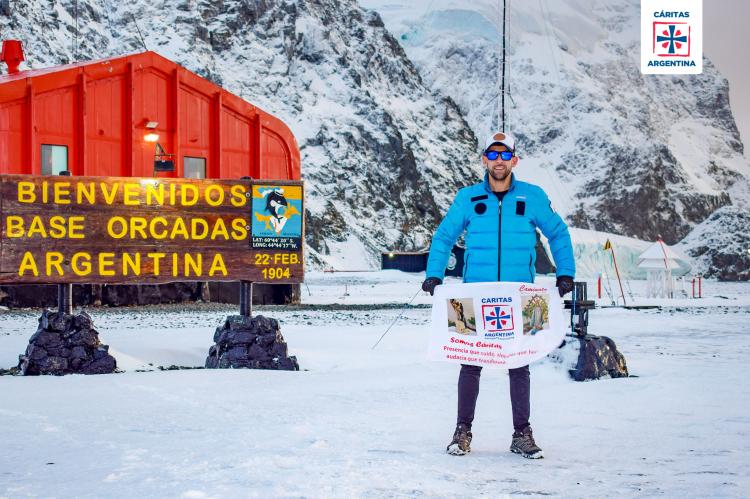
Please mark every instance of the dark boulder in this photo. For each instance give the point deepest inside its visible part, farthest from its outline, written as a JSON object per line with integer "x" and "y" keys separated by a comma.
{"x": 250, "y": 343}
{"x": 598, "y": 358}
{"x": 66, "y": 344}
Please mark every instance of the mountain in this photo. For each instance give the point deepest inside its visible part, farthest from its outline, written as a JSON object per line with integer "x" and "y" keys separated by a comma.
{"x": 382, "y": 154}
{"x": 644, "y": 156}
{"x": 388, "y": 124}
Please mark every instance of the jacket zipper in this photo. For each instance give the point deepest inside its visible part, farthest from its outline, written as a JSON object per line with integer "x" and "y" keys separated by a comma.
{"x": 531, "y": 273}
{"x": 499, "y": 237}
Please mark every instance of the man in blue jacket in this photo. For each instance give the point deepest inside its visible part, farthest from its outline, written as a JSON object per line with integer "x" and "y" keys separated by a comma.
{"x": 500, "y": 217}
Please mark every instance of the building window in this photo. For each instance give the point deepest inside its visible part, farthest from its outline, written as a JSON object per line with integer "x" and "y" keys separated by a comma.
{"x": 195, "y": 167}
{"x": 54, "y": 159}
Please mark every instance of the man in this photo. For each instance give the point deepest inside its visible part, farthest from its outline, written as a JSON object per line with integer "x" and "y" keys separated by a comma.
{"x": 500, "y": 217}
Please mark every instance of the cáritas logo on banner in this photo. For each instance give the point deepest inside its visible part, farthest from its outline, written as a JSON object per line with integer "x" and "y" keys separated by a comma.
{"x": 507, "y": 325}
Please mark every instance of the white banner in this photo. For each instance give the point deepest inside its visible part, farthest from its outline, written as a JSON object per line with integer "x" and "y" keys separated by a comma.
{"x": 495, "y": 324}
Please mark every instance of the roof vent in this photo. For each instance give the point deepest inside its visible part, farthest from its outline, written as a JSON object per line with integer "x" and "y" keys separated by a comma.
{"x": 12, "y": 55}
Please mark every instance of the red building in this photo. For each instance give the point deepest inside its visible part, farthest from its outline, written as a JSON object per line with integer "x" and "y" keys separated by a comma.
{"x": 106, "y": 118}
{"x": 139, "y": 115}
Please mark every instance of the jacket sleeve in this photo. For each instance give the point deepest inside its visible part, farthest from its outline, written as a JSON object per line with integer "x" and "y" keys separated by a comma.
{"x": 445, "y": 237}
{"x": 556, "y": 231}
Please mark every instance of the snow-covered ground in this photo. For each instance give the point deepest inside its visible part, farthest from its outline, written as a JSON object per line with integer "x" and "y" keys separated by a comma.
{"x": 363, "y": 423}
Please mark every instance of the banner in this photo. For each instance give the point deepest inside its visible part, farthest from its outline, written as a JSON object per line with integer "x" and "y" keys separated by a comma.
{"x": 498, "y": 324}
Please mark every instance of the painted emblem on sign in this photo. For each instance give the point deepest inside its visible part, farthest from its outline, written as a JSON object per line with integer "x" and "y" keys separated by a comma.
{"x": 277, "y": 211}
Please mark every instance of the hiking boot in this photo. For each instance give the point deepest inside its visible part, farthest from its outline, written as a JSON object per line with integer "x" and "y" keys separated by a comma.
{"x": 461, "y": 443}
{"x": 523, "y": 443}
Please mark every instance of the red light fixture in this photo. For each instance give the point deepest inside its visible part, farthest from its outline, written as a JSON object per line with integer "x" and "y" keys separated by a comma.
{"x": 12, "y": 55}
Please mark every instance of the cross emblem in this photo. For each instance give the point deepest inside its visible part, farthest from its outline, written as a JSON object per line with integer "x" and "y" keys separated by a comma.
{"x": 671, "y": 38}
{"x": 497, "y": 317}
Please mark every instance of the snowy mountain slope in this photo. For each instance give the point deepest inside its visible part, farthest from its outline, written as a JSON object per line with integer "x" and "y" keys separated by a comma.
{"x": 642, "y": 156}
{"x": 382, "y": 154}
{"x": 384, "y": 146}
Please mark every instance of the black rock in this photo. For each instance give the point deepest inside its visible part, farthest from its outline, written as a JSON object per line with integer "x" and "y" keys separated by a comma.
{"x": 251, "y": 343}
{"x": 237, "y": 353}
{"x": 103, "y": 365}
{"x": 83, "y": 321}
{"x": 86, "y": 337}
{"x": 599, "y": 358}
{"x": 244, "y": 337}
{"x": 238, "y": 322}
{"x": 279, "y": 349}
{"x": 66, "y": 344}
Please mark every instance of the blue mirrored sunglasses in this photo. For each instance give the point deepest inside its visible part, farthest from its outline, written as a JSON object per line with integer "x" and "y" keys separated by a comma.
{"x": 493, "y": 155}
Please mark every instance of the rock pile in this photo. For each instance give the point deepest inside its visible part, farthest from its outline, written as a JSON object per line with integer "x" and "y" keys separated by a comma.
{"x": 599, "y": 358}
{"x": 250, "y": 342}
{"x": 66, "y": 344}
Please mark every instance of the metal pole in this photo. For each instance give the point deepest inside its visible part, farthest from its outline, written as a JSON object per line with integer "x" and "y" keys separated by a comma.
{"x": 502, "y": 129}
{"x": 246, "y": 298}
{"x": 65, "y": 291}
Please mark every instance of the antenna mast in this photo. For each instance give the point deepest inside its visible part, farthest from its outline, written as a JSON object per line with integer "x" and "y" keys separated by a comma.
{"x": 502, "y": 78}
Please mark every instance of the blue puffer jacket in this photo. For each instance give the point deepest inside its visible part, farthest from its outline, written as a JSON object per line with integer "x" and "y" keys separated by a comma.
{"x": 510, "y": 227}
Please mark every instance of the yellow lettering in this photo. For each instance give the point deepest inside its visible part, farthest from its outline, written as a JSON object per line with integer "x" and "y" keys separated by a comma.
{"x": 57, "y": 227}
{"x": 152, "y": 228}
{"x": 36, "y": 226}
{"x": 75, "y": 228}
{"x": 122, "y": 227}
{"x": 109, "y": 196}
{"x": 238, "y": 196}
{"x": 186, "y": 189}
{"x": 54, "y": 259}
{"x": 172, "y": 194}
{"x": 138, "y": 224}
{"x": 130, "y": 264}
{"x": 106, "y": 260}
{"x": 81, "y": 264}
{"x": 174, "y": 264}
{"x": 155, "y": 192}
{"x": 62, "y": 192}
{"x": 220, "y": 195}
{"x": 14, "y": 226}
{"x": 45, "y": 192}
{"x": 26, "y": 193}
{"x": 88, "y": 191}
{"x": 220, "y": 228}
{"x": 196, "y": 265}
{"x": 156, "y": 257}
{"x": 28, "y": 264}
{"x": 194, "y": 223}
{"x": 239, "y": 229}
{"x": 179, "y": 228}
{"x": 130, "y": 195}
{"x": 218, "y": 265}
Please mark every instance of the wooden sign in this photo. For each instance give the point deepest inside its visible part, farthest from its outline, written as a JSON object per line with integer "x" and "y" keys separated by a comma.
{"x": 58, "y": 229}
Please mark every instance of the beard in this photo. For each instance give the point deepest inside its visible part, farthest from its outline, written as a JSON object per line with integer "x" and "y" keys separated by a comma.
{"x": 499, "y": 176}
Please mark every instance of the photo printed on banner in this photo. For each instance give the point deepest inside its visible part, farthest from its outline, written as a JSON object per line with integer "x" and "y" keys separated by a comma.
{"x": 461, "y": 317}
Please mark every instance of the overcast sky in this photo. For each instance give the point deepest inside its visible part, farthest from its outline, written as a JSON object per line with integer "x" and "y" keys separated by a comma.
{"x": 724, "y": 42}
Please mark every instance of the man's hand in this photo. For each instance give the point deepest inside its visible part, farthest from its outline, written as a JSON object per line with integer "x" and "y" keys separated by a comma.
{"x": 429, "y": 284}
{"x": 564, "y": 285}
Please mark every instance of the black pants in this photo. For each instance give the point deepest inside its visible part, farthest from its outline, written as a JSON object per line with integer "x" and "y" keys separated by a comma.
{"x": 520, "y": 391}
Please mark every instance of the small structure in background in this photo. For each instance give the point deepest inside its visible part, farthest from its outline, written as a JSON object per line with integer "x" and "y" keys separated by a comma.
{"x": 661, "y": 264}
{"x": 416, "y": 261}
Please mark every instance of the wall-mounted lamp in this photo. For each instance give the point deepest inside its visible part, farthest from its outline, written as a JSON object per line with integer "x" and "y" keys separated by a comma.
{"x": 163, "y": 161}
{"x": 151, "y": 135}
